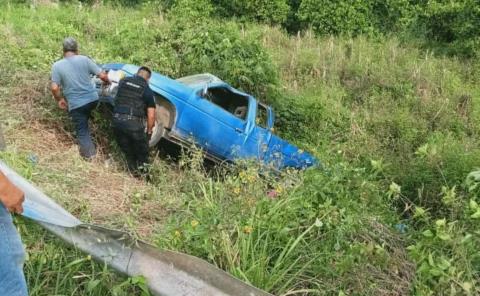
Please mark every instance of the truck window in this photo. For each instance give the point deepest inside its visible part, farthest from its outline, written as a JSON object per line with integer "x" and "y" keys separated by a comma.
{"x": 262, "y": 116}
{"x": 232, "y": 102}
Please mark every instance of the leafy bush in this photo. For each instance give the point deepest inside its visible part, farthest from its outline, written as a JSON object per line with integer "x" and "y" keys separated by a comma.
{"x": 452, "y": 24}
{"x": 112, "y": 2}
{"x": 442, "y": 161}
{"x": 446, "y": 248}
{"x": 191, "y": 10}
{"x": 336, "y": 17}
{"x": 352, "y": 17}
{"x": 268, "y": 11}
{"x": 219, "y": 48}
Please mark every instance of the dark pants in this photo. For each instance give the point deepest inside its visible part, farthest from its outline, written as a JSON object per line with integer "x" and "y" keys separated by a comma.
{"x": 132, "y": 139}
{"x": 80, "y": 118}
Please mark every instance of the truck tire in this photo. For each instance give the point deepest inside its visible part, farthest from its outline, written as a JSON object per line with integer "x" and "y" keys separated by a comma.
{"x": 164, "y": 116}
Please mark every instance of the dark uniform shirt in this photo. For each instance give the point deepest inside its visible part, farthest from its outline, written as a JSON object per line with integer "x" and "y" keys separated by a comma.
{"x": 148, "y": 97}
{"x": 131, "y": 137}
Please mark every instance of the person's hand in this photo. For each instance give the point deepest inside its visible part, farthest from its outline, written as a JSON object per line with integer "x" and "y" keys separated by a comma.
{"x": 62, "y": 103}
{"x": 12, "y": 198}
{"x": 103, "y": 76}
{"x": 106, "y": 83}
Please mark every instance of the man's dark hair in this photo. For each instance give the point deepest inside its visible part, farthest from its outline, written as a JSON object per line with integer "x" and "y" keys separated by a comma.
{"x": 146, "y": 69}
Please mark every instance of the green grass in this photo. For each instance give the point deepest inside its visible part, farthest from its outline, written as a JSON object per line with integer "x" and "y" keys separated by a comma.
{"x": 52, "y": 268}
{"x": 396, "y": 127}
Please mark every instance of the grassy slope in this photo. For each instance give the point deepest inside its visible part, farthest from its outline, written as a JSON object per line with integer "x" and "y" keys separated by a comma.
{"x": 364, "y": 107}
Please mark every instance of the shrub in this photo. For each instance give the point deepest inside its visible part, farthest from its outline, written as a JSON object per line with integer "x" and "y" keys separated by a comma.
{"x": 268, "y": 11}
{"x": 445, "y": 248}
{"x": 113, "y": 2}
{"x": 293, "y": 24}
{"x": 336, "y": 17}
{"x": 190, "y": 10}
{"x": 352, "y": 17}
{"x": 453, "y": 25}
{"x": 219, "y": 48}
{"x": 442, "y": 161}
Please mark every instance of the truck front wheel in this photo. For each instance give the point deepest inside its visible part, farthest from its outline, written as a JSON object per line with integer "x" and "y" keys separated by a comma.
{"x": 164, "y": 116}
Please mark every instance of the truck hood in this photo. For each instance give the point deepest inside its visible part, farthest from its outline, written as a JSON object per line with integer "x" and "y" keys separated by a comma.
{"x": 282, "y": 154}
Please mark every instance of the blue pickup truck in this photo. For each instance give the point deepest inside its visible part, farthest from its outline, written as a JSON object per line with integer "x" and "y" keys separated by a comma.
{"x": 226, "y": 123}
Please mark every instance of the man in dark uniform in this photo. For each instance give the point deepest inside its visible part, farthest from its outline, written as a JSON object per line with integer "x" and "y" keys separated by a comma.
{"x": 134, "y": 103}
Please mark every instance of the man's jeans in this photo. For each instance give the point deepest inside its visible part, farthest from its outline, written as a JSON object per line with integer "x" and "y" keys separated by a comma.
{"x": 12, "y": 255}
{"x": 80, "y": 117}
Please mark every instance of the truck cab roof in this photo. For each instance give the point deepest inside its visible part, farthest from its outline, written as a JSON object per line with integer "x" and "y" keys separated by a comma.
{"x": 199, "y": 80}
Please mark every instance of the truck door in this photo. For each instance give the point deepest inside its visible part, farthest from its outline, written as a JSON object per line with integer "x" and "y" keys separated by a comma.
{"x": 219, "y": 121}
{"x": 257, "y": 141}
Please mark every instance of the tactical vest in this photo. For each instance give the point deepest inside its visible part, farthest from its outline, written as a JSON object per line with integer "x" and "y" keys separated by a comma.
{"x": 129, "y": 98}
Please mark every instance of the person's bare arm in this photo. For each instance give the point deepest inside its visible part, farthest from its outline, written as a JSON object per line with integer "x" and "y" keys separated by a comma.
{"x": 150, "y": 120}
{"x": 58, "y": 96}
{"x": 94, "y": 69}
{"x": 10, "y": 196}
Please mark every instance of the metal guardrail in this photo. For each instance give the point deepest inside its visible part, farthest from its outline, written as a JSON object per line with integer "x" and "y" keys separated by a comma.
{"x": 167, "y": 273}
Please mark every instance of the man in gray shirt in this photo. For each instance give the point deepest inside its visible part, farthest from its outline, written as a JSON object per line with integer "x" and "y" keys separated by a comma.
{"x": 73, "y": 89}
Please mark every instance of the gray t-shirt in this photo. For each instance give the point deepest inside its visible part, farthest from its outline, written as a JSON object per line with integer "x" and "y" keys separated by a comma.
{"x": 73, "y": 75}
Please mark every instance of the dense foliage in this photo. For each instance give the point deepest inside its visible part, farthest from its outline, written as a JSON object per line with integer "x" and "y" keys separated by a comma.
{"x": 452, "y": 25}
{"x": 200, "y": 45}
{"x": 449, "y": 26}
{"x": 397, "y": 127}
{"x": 268, "y": 11}
{"x": 352, "y": 17}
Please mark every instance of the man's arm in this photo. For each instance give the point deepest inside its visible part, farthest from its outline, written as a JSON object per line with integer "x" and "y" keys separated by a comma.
{"x": 58, "y": 96}
{"x": 150, "y": 102}
{"x": 96, "y": 70}
{"x": 10, "y": 196}
{"x": 56, "y": 89}
{"x": 150, "y": 120}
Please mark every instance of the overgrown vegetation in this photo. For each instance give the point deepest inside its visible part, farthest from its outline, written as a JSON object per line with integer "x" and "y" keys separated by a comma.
{"x": 395, "y": 212}
{"x": 453, "y": 26}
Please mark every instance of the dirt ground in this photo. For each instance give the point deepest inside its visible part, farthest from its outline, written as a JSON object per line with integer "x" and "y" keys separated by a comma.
{"x": 100, "y": 191}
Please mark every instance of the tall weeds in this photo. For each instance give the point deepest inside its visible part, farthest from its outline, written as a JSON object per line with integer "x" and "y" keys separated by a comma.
{"x": 396, "y": 127}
